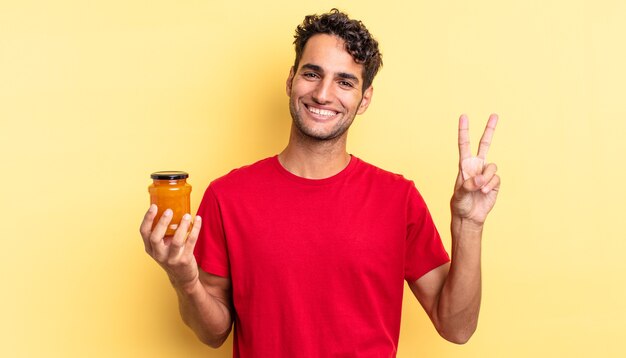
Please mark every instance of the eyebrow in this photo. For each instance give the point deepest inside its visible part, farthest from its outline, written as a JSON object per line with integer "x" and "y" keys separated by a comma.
{"x": 344, "y": 75}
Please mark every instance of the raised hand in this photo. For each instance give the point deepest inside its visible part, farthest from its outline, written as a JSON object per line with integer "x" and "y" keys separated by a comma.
{"x": 173, "y": 253}
{"x": 477, "y": 184}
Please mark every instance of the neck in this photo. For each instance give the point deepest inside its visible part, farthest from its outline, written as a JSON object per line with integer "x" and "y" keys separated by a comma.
{"x": 314, "y": 159}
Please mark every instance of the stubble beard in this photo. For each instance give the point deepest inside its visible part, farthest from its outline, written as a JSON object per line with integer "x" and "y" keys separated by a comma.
{"x": 340, "y": 128}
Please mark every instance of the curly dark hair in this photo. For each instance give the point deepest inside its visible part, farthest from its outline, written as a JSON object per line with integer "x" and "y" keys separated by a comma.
{"x": 358, "y": 41}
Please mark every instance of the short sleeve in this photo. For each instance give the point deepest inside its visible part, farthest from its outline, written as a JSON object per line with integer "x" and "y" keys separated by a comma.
{"x": 211, "y": 250}
{"x": 424, "y": 249}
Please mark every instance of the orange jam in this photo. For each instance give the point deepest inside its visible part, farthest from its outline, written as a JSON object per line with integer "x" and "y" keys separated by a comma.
{"x": 170, "y": 190}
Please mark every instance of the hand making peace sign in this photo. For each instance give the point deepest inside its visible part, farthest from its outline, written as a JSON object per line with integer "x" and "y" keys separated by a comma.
{"x": 477, "y": 184}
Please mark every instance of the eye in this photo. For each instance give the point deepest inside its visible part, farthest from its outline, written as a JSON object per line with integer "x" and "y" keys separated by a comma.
{"x": 346, "y": 84}
{"x": 310, "y": 75}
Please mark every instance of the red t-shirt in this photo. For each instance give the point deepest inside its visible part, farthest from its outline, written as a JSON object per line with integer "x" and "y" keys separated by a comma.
{"x": 317, "y": 266}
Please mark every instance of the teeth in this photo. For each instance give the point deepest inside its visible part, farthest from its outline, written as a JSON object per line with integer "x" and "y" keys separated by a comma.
{"x": 322, "y": 112}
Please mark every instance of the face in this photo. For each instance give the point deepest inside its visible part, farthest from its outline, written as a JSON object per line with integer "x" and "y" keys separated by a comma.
{"x": 325, "y": 91}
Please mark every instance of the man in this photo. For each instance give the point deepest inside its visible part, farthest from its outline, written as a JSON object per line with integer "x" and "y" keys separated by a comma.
{"x": 307, "y": 252}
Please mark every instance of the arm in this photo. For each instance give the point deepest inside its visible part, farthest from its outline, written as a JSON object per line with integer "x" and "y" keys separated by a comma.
{"x": 205, "y": 308}
{"x": 204, "y": 299}
{"x": 451, "y": 293}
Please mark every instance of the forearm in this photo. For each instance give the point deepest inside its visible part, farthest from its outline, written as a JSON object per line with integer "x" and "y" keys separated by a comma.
{"x": 208, "y": 316}
{"x": 459, "y": 302}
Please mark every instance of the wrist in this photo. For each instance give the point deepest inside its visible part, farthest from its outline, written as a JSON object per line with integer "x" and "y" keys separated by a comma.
{"x": 187, "y": 288}
{"x": 460, "y": 224}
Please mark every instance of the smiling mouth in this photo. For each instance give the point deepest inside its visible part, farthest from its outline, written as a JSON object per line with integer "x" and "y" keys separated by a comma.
{"x": 323, "y": 113}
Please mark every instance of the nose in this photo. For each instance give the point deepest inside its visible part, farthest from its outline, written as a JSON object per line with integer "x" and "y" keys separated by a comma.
{"x": 323, "y": 92}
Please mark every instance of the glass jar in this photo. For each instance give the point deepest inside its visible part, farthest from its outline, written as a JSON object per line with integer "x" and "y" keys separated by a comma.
{"x": 169, "y": 190}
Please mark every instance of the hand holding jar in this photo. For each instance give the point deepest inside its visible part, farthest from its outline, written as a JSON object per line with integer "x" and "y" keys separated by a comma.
{"x": 168, "y": 234}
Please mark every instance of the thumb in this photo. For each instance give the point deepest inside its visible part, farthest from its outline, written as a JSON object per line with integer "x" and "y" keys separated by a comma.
{"x": 474, "y": 183}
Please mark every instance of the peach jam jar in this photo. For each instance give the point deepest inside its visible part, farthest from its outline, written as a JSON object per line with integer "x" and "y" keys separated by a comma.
{"x": 169, "y": 190}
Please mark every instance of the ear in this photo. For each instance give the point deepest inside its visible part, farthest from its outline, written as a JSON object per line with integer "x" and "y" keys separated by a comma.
{"x": 365, "y": 101}
{"x": 290, "y": 81}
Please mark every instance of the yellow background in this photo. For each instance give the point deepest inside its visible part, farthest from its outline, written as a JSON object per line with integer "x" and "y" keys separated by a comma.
{"x": 94, "y": 96}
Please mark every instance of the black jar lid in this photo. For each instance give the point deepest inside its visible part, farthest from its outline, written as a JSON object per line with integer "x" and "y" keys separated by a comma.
{"x": 169, "y": 175}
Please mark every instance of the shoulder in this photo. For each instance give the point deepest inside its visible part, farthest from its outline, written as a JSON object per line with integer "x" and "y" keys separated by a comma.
{"x": 389, "y": 189}
{"x": 245, "y": 176}
{"x": 381, "y": 176}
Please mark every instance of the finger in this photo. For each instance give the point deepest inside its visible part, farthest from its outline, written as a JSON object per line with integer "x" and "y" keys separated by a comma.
{"x": 474, "y": 183}
{"x": 493, "y": 185}
{"x": 464, "y": 139}
{"x": 146, "y": 224}
{"x": 178, "y": 241}
{"x": 489, "y": 171}
{"x": 159, "y": 249}
{"x": 485, "y": 140}
{"x": 190, "y": 244}
{"x": 146, "y": 227}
